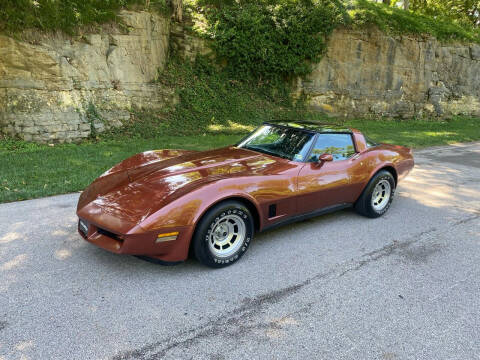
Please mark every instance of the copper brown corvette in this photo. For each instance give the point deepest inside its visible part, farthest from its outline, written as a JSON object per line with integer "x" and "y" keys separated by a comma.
{"x": 163, "y": 203}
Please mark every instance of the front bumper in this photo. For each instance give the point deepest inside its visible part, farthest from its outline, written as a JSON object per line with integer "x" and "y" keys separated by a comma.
{"x": 144, "y": 243}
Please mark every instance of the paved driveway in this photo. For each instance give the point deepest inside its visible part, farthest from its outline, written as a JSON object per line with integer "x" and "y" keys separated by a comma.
{"x": 405, "y": 286}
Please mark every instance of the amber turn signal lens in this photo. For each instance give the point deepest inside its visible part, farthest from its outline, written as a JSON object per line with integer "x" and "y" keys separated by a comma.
{"x": 166, "y": 237}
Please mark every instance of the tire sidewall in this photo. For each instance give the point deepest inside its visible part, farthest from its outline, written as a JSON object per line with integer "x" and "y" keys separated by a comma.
{"x": 202, "y": 234}
{"x": 384, "y": 175}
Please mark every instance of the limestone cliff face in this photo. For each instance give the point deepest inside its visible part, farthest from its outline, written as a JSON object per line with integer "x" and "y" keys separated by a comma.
{"x": 61, "y": 89}
{"x": 368, "y": 73}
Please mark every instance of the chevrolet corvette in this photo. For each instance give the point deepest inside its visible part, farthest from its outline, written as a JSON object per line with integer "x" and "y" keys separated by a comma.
{"x": 166, "y": 204}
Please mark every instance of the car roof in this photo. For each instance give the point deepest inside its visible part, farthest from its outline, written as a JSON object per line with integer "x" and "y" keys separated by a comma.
{"x": 311, "y": 126}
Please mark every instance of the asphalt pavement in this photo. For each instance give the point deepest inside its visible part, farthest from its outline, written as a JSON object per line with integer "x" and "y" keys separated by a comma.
{"x": 340, "y": 286}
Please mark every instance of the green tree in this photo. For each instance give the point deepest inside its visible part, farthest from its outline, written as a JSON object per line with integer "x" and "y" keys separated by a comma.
{"x": 463, "y": 11}
{"x": 265, "y": 42}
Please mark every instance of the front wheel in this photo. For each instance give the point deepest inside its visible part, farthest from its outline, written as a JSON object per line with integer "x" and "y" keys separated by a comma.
{"x": 377, "y": 196}
{"x": 223, "y": 234}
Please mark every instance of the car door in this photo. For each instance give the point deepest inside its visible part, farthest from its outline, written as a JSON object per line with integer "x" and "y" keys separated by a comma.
{"x": 328, "y": 183}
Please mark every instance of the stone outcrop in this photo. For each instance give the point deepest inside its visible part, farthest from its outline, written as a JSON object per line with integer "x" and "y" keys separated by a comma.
{"x": 62, "y": 89}
{"x": 367, "y": 73}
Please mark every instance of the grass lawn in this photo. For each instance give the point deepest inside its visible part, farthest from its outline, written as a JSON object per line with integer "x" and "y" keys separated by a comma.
{"x": 30, "y": 171}
{"x": 420, "y": 133}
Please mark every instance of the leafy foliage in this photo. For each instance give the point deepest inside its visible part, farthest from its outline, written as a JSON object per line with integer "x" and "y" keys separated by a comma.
{"x": 272, "y": 39}
{"x": 398, "y": 21}
{"x": 463, "y": 11}
{"x": 209, "y": 101}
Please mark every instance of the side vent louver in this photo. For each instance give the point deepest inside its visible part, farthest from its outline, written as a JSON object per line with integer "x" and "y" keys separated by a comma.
{"x": 272, "y": 210}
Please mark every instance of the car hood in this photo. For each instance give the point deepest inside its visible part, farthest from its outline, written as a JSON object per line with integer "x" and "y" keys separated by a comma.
{"x": 139, "y": 186}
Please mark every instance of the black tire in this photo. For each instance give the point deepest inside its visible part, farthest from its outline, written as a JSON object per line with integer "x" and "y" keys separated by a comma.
{"x": 364, "y": 204}
{"x": 204, "y": 246}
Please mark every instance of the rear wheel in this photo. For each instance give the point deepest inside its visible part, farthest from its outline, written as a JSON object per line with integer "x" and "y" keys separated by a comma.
{"x": 377, "y": 196}
{"x": 223, "y": 234}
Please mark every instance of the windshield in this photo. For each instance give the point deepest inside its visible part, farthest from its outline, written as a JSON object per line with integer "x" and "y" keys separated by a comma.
{"x": 287, "y": 143}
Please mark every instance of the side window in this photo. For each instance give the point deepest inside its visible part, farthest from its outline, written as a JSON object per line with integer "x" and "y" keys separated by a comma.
{"x": 339, "y": 145}
{"x": 370, "y": 142}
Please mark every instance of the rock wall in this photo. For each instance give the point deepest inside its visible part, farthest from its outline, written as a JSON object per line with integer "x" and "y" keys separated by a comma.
{"x": 367, "y": 73}
{"x": 61, "y": 89}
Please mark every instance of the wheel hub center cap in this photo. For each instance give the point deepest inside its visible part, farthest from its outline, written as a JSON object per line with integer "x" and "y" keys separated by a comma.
{"x": 221, "y": 233}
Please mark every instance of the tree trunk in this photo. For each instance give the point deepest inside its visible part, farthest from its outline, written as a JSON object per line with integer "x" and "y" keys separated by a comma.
{"x": 177, "y": 10}
{"x": 406, "y": 4}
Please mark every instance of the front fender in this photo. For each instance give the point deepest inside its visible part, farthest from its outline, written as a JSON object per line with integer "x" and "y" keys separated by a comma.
{"x": 185, "y": 212}
{"x": 188, "y": 209}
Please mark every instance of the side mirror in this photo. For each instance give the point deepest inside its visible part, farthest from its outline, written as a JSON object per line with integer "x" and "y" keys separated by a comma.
{"x": 325, "y": 157}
